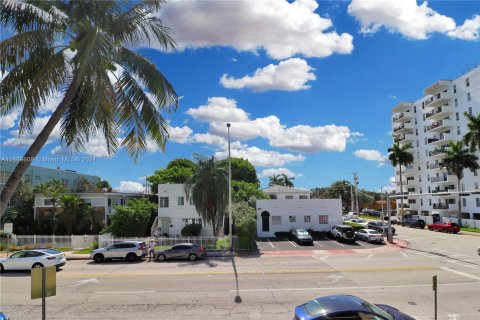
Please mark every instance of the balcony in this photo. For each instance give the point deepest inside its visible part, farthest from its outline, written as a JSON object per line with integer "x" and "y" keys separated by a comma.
{"x": 435, "y": 166}
{"x": 438, "y": 99}
{"x": 439, "y": 125}
{"x": 438, "y": 113}
{"x": 439, "y": 139}
{"x": 439, "y": 179}
{"x": 440, "y": 206}
{"x": 407, "y": 183}
{"x": 405, "y": 138}
{"x": 404, "y": 128}
{"x": 402, "y": 117}
{"x": 402, "y": 107}
{"x": 440, "y": 85}
{"x": 436, "y": 153}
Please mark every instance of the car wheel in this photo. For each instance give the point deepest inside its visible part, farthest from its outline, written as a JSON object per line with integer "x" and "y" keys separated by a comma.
{"x": 403, "y": 224}
{"x": 192, "y": 257}
{"x": 430, "y": 229}
{"x": 37, "y": 265}
{"x": 161, "y": 258}
{"x": 1, "y": 268}
{"x": 131, "y": 257}
{"x": 98, "y": 258}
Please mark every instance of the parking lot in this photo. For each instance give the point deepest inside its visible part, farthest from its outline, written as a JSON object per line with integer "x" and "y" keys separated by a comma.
{"x": 280, "y": 244}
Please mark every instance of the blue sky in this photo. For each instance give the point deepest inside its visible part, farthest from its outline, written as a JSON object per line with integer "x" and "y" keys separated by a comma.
{"x": 308, "y": 86}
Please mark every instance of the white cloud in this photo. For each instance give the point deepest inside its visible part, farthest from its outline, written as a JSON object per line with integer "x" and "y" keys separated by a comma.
{"x": 209, "y": 138}
{"x": 288, "y": 75}
{"x": 270, "y": 172}
{"x": 283, "y": 29}
{"x": 130, "y": 186}
{"x": 27, "y": 138}
{"x": 259, "y": 157}
{"x": 8, "y": 121}
{"x": 302, "y": 138}
{"x": 61, "y": 151}
{"x": 370, "y": 155}
{"x": 180, "y": 134}
{"x": 410, "y": 19}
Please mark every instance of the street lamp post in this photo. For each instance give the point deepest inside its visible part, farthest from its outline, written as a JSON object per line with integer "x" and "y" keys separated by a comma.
{"x": 229, "y": 191}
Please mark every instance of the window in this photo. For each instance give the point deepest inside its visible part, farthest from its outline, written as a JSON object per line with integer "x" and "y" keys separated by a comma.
{"x": 456, "y": 102}
{"x": 276, "y": 220}
{"x": 288, "y": 197}
{"x": 303, "y": 197}
{"x": 163, "y": 202}
{"x": 306, "y": 218}
{"x": 467, "y": 82}
{"x": 429, "y": 200}
{"x": 476, "y": 185}
{"x": 469, "y": 97}
{"x": 455, "y": 89}
{"x": 421, "y": 202}
{"x": 122, "y": 202}
{"x": 323, "y": 219}
{"x": 189, "y": 221}
{"x": 65, "y": 182}
{"x": 416, "y": 132}
{"x": 292, "y": 218}
{"x": 458, "y": 130}
{"x": 191, "y": 201}
{"x": 457, "y": 116}
{"x": 414, "y": 109}
{"x": 470, "y": 110}
{"x": 180, "y": 201}
{"x": 47, "y": 202}
{"x": 477, "y": 200}
{"x": 87, "y": 201}
{"x": 417, "y": 143}
{"x": 464, "y": 202}
{"x": 475, "y": 173}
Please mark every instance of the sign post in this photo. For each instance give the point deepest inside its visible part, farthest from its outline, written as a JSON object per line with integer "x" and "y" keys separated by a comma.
{"x": 43, "y": 284}
{"x": 435, "y": 294}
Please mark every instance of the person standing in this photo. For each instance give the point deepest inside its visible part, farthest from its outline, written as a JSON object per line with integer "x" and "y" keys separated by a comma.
{"x": 151, "y": 250}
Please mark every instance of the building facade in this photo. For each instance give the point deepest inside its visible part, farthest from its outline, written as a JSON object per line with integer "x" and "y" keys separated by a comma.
{"x": 175, "y": 211}
{"x": 427, "y": 126}
{"x": 291, "y": 208}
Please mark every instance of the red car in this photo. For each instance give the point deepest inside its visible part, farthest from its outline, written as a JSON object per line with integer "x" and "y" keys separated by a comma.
{"x": 449, "y": 227}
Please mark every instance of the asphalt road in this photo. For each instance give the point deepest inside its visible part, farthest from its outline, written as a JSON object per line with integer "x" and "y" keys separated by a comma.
{"x": 267, "y": 286}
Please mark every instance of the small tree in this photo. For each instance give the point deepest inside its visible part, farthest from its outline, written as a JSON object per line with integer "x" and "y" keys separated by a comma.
{"x": 399, "y": 155}
{"x": 52, "y": 190}
{"x": 245, "y": 220}
{"x": 132, "y": 220}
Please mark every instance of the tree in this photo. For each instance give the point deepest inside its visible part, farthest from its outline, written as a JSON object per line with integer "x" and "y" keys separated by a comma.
{"x": 83, "y": 185}
{"x": 22, "y": 213}
{"x": 287, "y": 181}
{"x": 52, "y": 190}
{"x": 457, "y": 158}
{"x": 208, "y": 187}
{"x": 340, "y": 189}
{"x": 245, "y": 222}
{"x": 242, "y": 170}
{"x": 246, "y": 192}
{"x": 472, "y": 137}
{"x": 182, "y": 163}
{"x": 77, "y": 217}
{"x": 399, "y": 155}
{"x": 169, "y": 175}
{"x": 275, "y": 180}
{"x": 103, "y": 185}
{"x": 132, "y": 220}
{"x": 103, "y": 79}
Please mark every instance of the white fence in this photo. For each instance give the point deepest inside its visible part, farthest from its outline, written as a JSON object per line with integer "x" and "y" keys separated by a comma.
{"x": 72, "y": 241}
{"x": 208, "y": 242}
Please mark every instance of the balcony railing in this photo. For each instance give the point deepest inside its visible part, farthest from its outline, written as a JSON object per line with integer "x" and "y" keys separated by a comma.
{"x": 400, "y": 116}
{"x": 446, "y": 189}
{"x": 435, "y": 98}
{"x": 434, "y": 112}
{"x": 438, "y": 179}
{"x": 436, "y": 124}
{"x": 435, "y": 166}
{"x": 399, "y": 128}
{"x": 436, "y": 152}
{"x": 440, "y": 206}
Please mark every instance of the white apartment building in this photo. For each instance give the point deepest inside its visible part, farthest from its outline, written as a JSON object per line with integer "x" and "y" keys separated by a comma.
{"x": 427, "y": 125}
{"x": 291, "y": 208}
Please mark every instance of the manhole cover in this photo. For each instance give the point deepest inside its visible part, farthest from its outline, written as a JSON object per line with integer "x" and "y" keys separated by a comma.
{"x": 412, "y": 303}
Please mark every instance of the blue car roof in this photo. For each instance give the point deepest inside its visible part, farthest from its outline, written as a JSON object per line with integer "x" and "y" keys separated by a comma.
{"x": 334, "y": 304}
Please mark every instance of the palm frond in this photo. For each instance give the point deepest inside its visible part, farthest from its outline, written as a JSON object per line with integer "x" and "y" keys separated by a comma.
{"x": 25, "y": 16}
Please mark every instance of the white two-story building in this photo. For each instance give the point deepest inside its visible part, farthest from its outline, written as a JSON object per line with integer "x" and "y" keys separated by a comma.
{"x": 291, "y": 208}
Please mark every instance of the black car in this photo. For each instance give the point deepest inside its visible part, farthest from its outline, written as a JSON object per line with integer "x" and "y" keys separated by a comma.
{"x": 302, "y": 236}
{"x": 379, "y": 226}
{"x": 413, "y": 223}
{"x": 346, "y": 307}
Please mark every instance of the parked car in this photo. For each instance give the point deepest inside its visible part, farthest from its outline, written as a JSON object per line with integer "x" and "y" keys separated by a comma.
{"x": 34, "y": 258}
{"x": 369, "y": 235}
{"x": 301, "y": 236}
{"x": 379, "y": 226}
{"x": 478, "y": 251}
{"x": 362, "y": 222}
{"x": 129, "y": 250}
{"x": 413, "y": 222}
{"x": 449, "y": 227}
{"x": 347, "y": 307}
{"x": 188, "y": 251}
{"x": 342, "y": 232}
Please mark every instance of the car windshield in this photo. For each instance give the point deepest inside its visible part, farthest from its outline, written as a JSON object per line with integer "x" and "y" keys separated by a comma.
{"x": 373, "y": 232}
{"x": 51, "y": 251}
{"x": 323, "y": 307}
{"x": 302, "y": 233}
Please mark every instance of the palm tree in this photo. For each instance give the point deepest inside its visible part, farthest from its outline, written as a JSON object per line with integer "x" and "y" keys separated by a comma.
{"x": 275, "y": 180}
{"x": 82, "y": 48}
{"x": 52, "y": 190}
{"x": 472, "y": 138}
{"x": 208, "y": 187}
{"x": 83, "y": 185}
{"x": 398, "y": 155}
{"x": 457, "y": 158}
{"x": 287, "y": 181}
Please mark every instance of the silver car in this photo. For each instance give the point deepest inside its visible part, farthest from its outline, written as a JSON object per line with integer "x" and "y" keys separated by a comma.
{"x": 188, "y": 251}
{"x": 369, "y": 235}
{"x": 129, "y": 250}
{"x": 34, "y": 258}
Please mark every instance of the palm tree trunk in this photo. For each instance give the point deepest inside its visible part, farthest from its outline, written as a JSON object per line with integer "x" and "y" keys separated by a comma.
{"x": 36, "y": 146}
{"x": 459, "y": 203}
{"x": 401, "y": 193}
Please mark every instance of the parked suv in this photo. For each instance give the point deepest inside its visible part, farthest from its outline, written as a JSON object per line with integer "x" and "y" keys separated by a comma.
{"x": 342, "y": 232}
{"x": 130, "y": 250}
{"x": 379, "y": 226}
{"x": 413, "y": 222}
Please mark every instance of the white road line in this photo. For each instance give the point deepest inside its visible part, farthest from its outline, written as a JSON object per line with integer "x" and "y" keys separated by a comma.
{"x": 293, "y": 244}
{"x": 318, "y": 244}
{"x": 403, "y": 254}
{"x": 126, "y": 292}
{"x": 429, "y": 285}
{"x": 270, "y": 243}
{"x": 461, "y": 264}
{"x": 360, "y": 244}
{"x": 370, "y": 256}
{"x": 338, "y": 243}
{"x": 461, "y": 273}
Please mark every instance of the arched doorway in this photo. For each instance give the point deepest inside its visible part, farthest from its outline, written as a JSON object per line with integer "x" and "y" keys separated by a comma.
{"x": 265, "y": 221}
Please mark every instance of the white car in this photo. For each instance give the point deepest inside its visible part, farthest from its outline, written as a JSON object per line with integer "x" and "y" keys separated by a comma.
{"x": 129, "y": 250}
{"x": 362, "y": 222}
{"x": 369, "y": 235}
{"x": 34, "y": 258}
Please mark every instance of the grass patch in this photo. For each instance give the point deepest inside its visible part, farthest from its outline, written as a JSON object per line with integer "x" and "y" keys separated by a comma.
{"x": 370, "y": 217}
{"x": 83, "y": 251}
{"x": 470, "y": 229}
{"x": 63, "y": 249}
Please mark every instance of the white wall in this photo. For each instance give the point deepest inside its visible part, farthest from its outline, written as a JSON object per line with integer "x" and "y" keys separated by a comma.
{"x": 299, "y": 209}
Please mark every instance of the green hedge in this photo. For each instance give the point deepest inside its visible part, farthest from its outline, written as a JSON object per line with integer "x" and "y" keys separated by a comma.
{"x": 355, "y": 226}
{"x": 191, "y": 230}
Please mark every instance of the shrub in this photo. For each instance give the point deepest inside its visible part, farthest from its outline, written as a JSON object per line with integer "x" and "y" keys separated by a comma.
{"x": 355, "y": 226}
{"x": 223, "y": 243}
{"x": 191, "y": 230}
{"x": 94, "y": 245}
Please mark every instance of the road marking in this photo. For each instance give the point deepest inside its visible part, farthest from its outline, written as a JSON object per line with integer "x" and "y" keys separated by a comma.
{"x": 461, "y": 273}
{"x": 80, "y": 283}
{"x": 318, "y": 244}
{"x": 123, "y": 292}
{"x": 270, "y": 243}
{"x": 461, "y": 264}
{"x": 350, "y": 288}
{"x": 333, "y": 279}
{"x": 370, "y": 256}
{"x": 338, "y": 243}
{"x": 403, "y": 254}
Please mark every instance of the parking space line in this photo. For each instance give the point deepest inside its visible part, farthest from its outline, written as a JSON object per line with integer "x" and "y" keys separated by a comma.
{"x": 293, "y": 244}
{"x": 270, "y": 243}
{"x": 370, "y": 256}
{"x": 338, "y": 243}
{"x": 318, "y": 244}
{"x": 461, "y": 273}
{"x": 461, "y": 264}
{"x": 403, "y": 254}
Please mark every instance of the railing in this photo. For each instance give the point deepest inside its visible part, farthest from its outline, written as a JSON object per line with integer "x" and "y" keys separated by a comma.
{"x": 438, "y": 179}
{"x": 436, "y": 97}
{"x": 399, "y": 117}
{"x": 434, "y": 112}
{"x": 208, "y": 242}
{"x": 435, "y": 166}
{"x": 434, "y": 125}
{"x": 436, "y": 152}
{"x": 399, "y": 128}
{"x": 49, "y": 241}
{"x": 440, "y": 206}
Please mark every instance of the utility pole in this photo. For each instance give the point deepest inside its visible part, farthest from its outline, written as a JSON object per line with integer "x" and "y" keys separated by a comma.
{"x": 230, "y": 233}
{"x": 351, "y": 198}
{"x": 355, "y": 179}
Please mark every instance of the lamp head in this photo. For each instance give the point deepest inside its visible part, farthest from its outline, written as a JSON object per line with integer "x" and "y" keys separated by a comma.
{"x": 228, "y": 125}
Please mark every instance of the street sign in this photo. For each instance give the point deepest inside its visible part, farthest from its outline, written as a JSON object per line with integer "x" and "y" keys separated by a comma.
{"x": 8, "y": 228}
{"x": 50, "y": 282}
